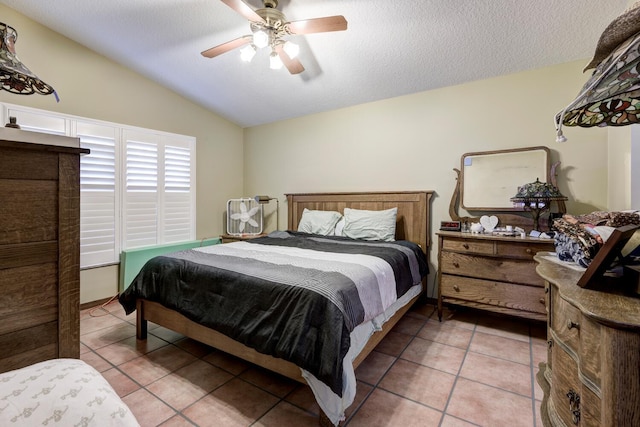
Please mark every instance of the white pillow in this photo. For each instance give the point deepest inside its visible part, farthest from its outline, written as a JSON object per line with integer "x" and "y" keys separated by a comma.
{"x": 370, "y": 225}
{"x": 339, "y": 228}
{"x": 318, "y": 222}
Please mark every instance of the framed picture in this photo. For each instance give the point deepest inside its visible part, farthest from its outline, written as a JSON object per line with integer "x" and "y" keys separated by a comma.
{"x": 605, "y": 257}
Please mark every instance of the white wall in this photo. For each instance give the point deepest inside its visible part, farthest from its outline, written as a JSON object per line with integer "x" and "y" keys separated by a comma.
{"x": 414, "y": 142}
{"x": 92, "y": 86}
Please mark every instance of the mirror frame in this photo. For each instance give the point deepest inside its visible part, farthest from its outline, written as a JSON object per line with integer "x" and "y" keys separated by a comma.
{"x": 499, "y": 175}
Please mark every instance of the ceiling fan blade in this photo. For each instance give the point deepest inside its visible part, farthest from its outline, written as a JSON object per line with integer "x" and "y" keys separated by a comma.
{"x": 318, "y": 25}
{"x": 226, "y": 47}
{"x": 293, "y": 65}
{"x": 243, "y": 9}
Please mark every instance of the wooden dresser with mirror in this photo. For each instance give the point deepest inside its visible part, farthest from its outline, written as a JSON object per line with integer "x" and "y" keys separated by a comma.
{"x": 492, "y": 272}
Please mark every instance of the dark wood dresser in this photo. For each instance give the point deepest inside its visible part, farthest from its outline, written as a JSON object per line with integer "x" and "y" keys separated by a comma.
{"x": 493, "y": 273}
{"x": 592, "y": 373}
{"x": 39, "y": 247}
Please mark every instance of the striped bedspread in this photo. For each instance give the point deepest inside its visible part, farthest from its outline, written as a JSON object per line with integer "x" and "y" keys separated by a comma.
{"x": 290, "y": 295}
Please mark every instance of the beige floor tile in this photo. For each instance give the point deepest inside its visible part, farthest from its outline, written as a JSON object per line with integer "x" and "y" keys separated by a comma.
{"x": 459, "y": 317}
{"x": 409, "y": 325}
{"x": 302, "y": 397}
{"x": 148, "y": 409}
{"x": 227, "y": 362}
{"x": 384, "y": 409}
{"x": 488, "y": 406}
{"x": 500, "y": 373}
{"x": 91, "y": 324}
{"x": 269, "y": 381}
{"x": 194, "y": 347}
{"x": 96, "y": 361}
{"x": 504, "y": 327}
{"x": 122, "y": 384}
{"x": 434, "y": 355}
{"x": 394, "y": 343}
{"x": 446, "y": 333}
{"x": 130, "y": 348}
{"x": 502, "y": 347}
{"x": 189, "y": 383}
{"x": 287, "y": 415}
{"x": 156, "y": 364}
{"x": 420, "y": 383}
{"x": 236, "y": 403}
{"x": 109, "y": 335}
{"x": 177, "y": 421}
{"x": 449, "y": 421}
{"x": 374, "y": 367}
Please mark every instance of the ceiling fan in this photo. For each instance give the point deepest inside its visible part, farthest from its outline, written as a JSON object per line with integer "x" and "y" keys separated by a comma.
{"x": 269, "y": 28}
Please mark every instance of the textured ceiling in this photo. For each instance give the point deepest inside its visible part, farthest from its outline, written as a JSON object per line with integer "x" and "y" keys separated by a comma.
{"x": 391, "y": 48}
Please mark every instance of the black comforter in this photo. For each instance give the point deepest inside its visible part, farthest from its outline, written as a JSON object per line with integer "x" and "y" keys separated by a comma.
{"x": 286, "y": 295}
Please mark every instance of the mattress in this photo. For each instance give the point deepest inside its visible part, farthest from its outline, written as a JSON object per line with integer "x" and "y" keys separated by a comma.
{"x": 61, "y": 392}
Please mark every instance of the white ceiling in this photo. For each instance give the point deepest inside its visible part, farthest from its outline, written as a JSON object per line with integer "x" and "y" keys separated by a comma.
{"x": 391, "y": 48}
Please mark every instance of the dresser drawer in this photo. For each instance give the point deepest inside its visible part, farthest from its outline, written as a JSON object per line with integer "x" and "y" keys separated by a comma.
{"x": 508, "y": 295}
{"x": 590, "y": 351}
{"x": 524, "y": 250}
{"x": 564, "y": 378}
{"x": 490, "y": 268}
{"x": 469, "y": 246}
{"x": 565, "y": 322}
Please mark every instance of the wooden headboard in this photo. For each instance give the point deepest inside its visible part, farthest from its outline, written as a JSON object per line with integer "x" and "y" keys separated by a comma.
{"x": 413, "y": 218}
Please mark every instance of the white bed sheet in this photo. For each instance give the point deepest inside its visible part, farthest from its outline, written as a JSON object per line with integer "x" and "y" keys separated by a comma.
{"x": 331, "y": 404}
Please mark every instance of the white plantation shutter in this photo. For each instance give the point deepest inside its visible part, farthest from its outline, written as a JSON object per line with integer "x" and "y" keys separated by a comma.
{"x": 141, "y": 190}
{"x": 137, "y": 187}
{"x": 98, "y": 202}
{"x": 160, "y": 192}
{"x": 178, "y": 198}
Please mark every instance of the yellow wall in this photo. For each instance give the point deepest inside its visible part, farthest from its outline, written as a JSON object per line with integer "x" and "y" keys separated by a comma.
{"x": 413, "y": 142}
{"x": 405, "y": 143}
{"x": 92, "y": 86}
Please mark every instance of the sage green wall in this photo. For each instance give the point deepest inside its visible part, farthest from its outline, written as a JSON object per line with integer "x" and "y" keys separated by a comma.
{"x": 413, "y": 142}
{"x": 92, "y": 86}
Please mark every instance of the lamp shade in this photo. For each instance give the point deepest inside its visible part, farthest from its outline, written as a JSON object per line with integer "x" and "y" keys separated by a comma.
{"x": 611, "y": 96}
{"x": 537, "y": 191}
{"x": 536, "y": 197}
{"x": 15, "y": 77}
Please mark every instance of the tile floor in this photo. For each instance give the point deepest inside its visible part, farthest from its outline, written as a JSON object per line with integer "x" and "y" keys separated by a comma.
{"x": 471, "y": 369}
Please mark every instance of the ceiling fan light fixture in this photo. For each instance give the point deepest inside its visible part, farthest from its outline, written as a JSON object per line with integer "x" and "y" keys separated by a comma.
{"x": 260, "y": 39}
{"x": 247, "y": 53}
{"x": 291, "y": 49}
{"x": 275, "y": 63}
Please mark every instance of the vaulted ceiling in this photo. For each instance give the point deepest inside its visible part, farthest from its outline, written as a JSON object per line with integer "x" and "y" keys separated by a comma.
{"x": 391, "y": 48}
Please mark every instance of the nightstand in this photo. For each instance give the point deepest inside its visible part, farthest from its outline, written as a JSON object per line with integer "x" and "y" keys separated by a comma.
{"x": 228, "y": 238}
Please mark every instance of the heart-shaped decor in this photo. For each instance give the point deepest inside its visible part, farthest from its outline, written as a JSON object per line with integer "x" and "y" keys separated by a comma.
{"x": 489, "y": 222}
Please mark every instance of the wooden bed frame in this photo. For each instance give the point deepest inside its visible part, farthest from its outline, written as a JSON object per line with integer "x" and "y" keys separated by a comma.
{"x": 413, "y": 221}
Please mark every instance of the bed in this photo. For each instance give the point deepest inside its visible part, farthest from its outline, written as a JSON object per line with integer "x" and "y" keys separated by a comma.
{"x": 362, "y": 327}
{"x": 65, "y": 392}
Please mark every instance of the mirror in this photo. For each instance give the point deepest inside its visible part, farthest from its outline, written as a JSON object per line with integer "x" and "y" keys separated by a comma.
{"x": 490, "y": 178}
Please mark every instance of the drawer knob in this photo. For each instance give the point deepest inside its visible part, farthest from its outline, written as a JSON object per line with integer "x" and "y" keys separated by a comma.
{"x": 546, "y": 290}
{"x": 541, "y": 300}
{"x": 465, "y": 245}
{"x": 571, "y": 324}
{"x": 550, "y": 343}
{"x": 456, "y": 265}
{"x": 528, "y": 250}
{"x": 456, "y": 288}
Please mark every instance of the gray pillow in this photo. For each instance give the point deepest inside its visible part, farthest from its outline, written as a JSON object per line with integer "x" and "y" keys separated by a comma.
{"x": 318, "y": 222}
{"x": 370, "y": 225}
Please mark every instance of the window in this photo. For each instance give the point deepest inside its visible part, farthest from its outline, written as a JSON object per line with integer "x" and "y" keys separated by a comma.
{"x": 137, "y": 187}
